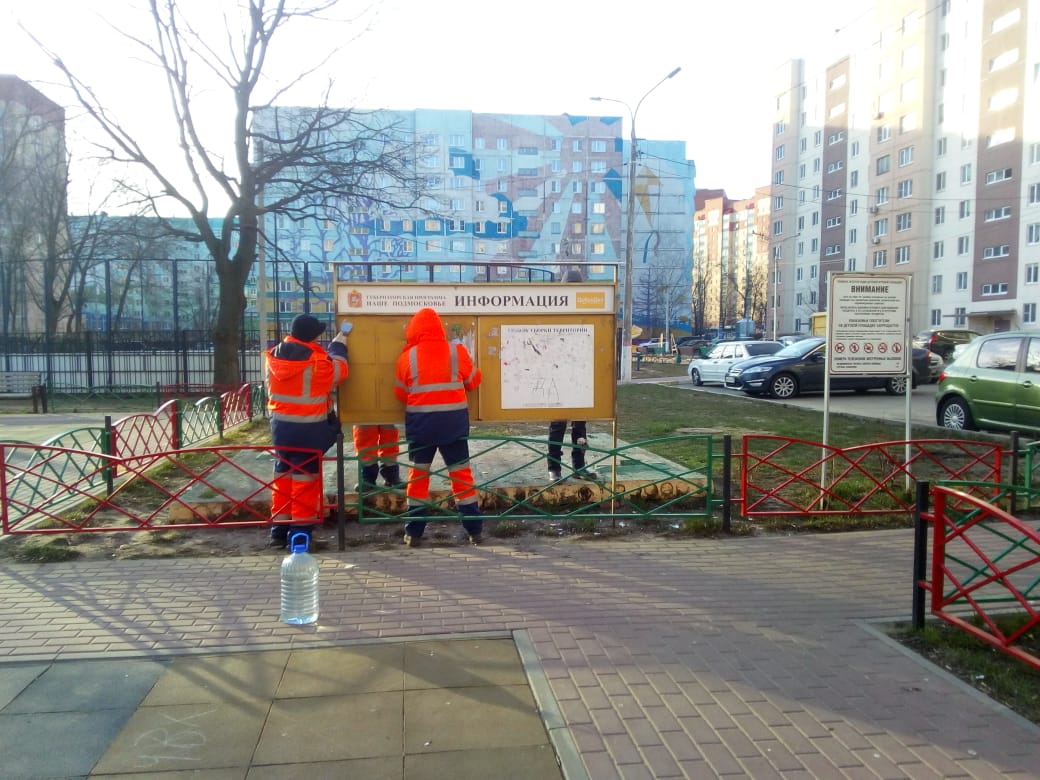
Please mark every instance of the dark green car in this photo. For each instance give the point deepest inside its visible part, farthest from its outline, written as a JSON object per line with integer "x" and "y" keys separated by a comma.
{"x": 994, "y": 384}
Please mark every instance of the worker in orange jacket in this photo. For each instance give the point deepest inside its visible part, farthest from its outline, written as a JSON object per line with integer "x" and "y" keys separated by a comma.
{"x": 377, "y": 447}
{"x": 433, "y": 376}
{"x": 301, "y": 377}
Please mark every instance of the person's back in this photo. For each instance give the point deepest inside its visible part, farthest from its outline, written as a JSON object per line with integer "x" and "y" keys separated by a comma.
{"x": 433, "y": 377}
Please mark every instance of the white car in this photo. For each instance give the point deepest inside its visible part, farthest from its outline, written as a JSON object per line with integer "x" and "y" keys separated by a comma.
{"x": 713, "y": 367}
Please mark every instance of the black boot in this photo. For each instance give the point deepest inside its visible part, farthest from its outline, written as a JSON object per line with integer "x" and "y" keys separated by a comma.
{"x": 369, "y": 475}
{"x": 391, "y": 474}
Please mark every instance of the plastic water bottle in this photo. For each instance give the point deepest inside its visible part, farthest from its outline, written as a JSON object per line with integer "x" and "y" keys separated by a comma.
{"x": 299, "y": 583}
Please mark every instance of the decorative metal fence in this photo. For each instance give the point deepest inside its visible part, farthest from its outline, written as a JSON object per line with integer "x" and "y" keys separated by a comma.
{"x": 793, "y": 477}
{"x": 985, "y": 562}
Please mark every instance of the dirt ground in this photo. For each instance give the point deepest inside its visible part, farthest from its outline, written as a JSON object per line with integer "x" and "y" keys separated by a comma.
{"x": 249, "y": 541}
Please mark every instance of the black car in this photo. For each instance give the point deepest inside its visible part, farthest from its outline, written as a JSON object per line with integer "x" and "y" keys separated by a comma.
{"x": 800, "y": 367}
{"x": 943, "y": 341}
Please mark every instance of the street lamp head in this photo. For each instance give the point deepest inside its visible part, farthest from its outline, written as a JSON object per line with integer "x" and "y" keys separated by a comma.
{"x": 673, "y": 72}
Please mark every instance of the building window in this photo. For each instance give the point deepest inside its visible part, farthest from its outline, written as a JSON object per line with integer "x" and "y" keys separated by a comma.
{"x": 937, "y": 283}
{"x": 880, "y": 258}
{"x": 834, "y": 194}
{"x": 881, "y": 196}
{"x": 502, "y": 144}
{"x": 576, "y": 145}
{"x": 906, "y": 155}
{"x": 999, "y": 175}
{"x": 853, "y": 236}
{"x": 1003, "y": 60}
{"x": 960, "y": 317}
{"x": 778, "y": 227}
{"x": 964, "y": 209}
{"x": 940, "y": 215}
{"x": 599, "y": 208}
{"x": 854, "y": 149}
{"x": 1034, "y": 194}
{"x": 883, "y": 164}
{"x": 903, "y": 221}
{"x": 940, "y": 147}
{"x": 906, "y": 188}
{"x": 966, "y": 173}
{"x": 1000, "y": 250}
{"x": 576, "y": 207}
{"x": 902, "y": 255}
{"x": 962, "y": 281}
{"x": 938, "y": 250}
{"x": 963, "y": 245}
{"x": 999, "y": 288}
{"x": 936, "y": 318}
{"x": 578, "y": 228}
{"x": 832, "y": 249}
{"x": 598, "y": 145}
{"x": 884, "y": 132}
{"x": 1001, "y": 212}
{"x": 503, "y": 207}
{"x": 940, "y": 181}
{"x": 576, "y": 187}
{"x": 832, "y": 222}
{"x": 780, "y": 152}
{"x": 1033, "y": 233}
{"x": 881, "y": 227}
{"x": 1032, "y": 273}
{"x": 1028, "y": 313}
{"x": 837, "y": 165}
{"x": 503, "y": 228}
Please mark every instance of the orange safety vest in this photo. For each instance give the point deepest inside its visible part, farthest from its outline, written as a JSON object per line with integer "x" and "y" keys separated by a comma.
{"x": 301, "y": 390}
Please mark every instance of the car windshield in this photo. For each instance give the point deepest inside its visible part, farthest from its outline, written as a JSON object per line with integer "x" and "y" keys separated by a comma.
{"x": 763, "y": 348}
{"x": 799, "y": 348}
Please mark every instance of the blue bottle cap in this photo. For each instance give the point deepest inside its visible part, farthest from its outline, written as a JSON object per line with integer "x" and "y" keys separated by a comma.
{"x": 298, "y": 542}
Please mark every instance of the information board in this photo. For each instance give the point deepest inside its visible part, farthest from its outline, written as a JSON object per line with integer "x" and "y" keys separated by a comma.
{"x": 546, "y": 350}
{"x": 867, "y": 323}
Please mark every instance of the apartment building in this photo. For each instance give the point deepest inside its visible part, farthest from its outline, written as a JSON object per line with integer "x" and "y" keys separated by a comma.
{"x": 505, "y": 197}
{"x": 33, "y": 192}
{"x": 916, "y": 152}
{"x": 730, "y": 262}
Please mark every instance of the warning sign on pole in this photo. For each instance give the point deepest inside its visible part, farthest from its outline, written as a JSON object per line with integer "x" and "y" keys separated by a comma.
{"x": 867, "y": 325}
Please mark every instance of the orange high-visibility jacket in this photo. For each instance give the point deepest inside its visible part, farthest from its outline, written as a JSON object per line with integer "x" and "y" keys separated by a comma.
{"x": 301, "y": 376}
{"x": 433, "y": 376}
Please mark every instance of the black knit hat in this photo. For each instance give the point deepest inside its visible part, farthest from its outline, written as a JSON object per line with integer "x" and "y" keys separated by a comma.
{"x": 306, "y": 327}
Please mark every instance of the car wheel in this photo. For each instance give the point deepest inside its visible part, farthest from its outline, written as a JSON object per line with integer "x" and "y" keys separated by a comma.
{"x": 783, "y": 386}
{"x": 896, "y": 385}
{"x": 695, "y": 375}
{"x": 954, "y": 413}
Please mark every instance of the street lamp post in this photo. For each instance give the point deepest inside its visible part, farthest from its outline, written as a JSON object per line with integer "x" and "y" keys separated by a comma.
{"x": 626, "y": 326}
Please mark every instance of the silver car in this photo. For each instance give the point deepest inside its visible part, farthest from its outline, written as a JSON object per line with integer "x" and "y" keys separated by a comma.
{"x": 713, "y": 367}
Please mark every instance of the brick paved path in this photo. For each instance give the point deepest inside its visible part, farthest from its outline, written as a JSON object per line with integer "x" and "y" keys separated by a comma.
{"x": 730, "y": 658}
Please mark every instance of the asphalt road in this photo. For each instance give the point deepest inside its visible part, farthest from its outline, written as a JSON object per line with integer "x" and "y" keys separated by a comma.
{"x": 875, "y": 404}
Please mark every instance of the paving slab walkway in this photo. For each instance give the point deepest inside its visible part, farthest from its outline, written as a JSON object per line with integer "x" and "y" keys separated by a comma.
{"x": 738, "y": 658}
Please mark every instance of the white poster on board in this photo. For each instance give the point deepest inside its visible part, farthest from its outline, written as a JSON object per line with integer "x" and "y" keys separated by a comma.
{"x": 547, "y": 366}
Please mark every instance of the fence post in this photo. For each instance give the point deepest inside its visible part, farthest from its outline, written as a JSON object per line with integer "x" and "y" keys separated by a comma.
{"x": 108, "y": 446}
{"x": 727, "y": 463}
{"x": 920, "y": 554}
{"x": 341, "y": 515}
{"x": 1014, "y": 472}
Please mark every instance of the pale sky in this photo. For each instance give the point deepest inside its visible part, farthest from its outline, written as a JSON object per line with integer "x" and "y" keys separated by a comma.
{"x": 534, "y": 57}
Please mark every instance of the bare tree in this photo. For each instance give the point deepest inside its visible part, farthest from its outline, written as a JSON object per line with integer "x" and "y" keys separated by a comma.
{"x": 297, "y": 163}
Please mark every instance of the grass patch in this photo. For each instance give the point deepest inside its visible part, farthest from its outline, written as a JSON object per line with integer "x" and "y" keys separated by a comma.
{"x": 1001, "y": 677}
{"x": 44, "y": 550}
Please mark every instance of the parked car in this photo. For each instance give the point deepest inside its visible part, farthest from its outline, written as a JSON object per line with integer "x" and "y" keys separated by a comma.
{"x": 943, "y": 341}
{"x": 791, "y": 338}
{"x": 713, "y": 366}
{"x": 993, "y": 385}
{"x": 692, "y": 346}
{"x": 801, "y": 367}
